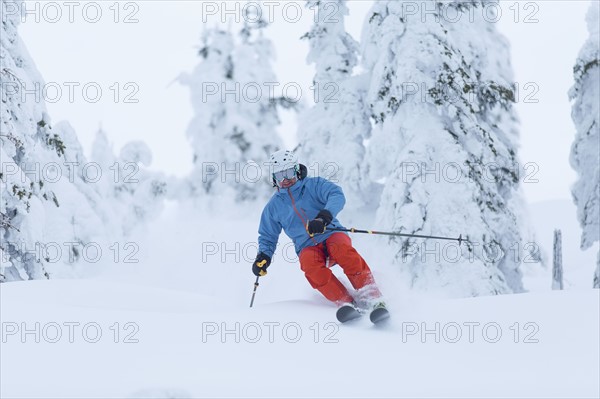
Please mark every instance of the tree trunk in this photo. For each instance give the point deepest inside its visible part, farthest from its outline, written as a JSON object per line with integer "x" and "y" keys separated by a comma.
{"x": 557, "y": 269}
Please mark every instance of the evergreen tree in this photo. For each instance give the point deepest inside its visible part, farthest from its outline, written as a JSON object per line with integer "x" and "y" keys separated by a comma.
{"x": 332, "y": 132}
{"x": 135, "y": 194}
{"x": 445, "y": 143}
{"x": 585, "y": 95}
{"x": 236, "y": 113}
{"x": 44, "y": 200}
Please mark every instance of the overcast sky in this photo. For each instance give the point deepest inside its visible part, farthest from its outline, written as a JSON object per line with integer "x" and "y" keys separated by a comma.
{"x": 135, "y": 51}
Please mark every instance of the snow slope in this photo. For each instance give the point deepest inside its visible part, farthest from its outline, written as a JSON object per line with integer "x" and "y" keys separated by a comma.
{"x": 192, "y": 283}
{"x": 181, "y": 349}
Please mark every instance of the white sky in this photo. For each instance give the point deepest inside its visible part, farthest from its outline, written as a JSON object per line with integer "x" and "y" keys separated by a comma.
{"x": 152, "y": 52}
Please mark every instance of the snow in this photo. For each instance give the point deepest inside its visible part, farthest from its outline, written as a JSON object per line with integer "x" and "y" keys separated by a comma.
{"x": 180, "y": 302}
{"x": 178, "y": 344}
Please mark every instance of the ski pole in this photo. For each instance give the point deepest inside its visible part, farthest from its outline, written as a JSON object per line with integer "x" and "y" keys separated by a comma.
{"x": 254, "y": 292}
{"x": 260, "y": 264}
{"x": 353, "y": 230}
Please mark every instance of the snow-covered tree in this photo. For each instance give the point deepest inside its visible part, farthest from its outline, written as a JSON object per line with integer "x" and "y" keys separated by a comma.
{"x": 585, "y": 95}
{"x": 207, "y": 129}
{"x": 44, "y": 201}
{"x": 445, "y": 142}
{"x": 332, "y": 132}
{"x": 596, "y": 282}
{"x": 557, "y": 267}
{"x": 236, "y": 112}
{"x": 135, "y": 194}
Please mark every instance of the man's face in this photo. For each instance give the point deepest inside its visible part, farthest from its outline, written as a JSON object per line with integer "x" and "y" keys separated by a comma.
{"x": 287, "y": 183}
{"x": 286, "y": 178}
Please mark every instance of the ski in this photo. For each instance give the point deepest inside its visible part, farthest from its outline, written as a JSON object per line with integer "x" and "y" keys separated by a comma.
{"x": 347, "y": 313}
{"x": 379, "y": 313}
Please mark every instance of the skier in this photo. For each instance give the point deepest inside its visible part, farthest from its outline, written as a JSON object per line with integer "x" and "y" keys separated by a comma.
{"x": 304, "y": 207}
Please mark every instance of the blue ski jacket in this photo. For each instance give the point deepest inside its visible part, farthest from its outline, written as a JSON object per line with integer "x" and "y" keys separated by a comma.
{"x": 290, "y": 209}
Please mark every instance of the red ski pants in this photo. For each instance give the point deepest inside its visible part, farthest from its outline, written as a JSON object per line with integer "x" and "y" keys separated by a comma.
{"x": 340, "y": 250}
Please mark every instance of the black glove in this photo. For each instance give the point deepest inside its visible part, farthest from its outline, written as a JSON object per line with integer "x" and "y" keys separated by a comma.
{"x": 317, "y": 225}
{"x": 259, "y": 267}
{"x": 326, "y": 216}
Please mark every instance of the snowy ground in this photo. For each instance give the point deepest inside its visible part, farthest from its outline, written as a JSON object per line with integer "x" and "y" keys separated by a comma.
{"x": 177, "y": 324}
{"x": 173, "y": 344}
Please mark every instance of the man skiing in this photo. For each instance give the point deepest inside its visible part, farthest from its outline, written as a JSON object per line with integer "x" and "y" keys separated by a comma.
{"x": 306, "y": 208}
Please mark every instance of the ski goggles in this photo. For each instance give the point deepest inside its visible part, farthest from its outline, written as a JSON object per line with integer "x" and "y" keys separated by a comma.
{"x": 288, "y": 174}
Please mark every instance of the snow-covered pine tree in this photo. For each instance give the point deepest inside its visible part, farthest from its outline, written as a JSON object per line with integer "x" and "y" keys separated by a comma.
{"x": 103, "y": 155}
{"x": 585, "y": 95}
{"x": 44, "y": 202}
{"x": 557, "y": 267}
{"x": 257, "y": 117}
{"x": 145, "y": 189}
{"x": 596, "y": 282}
{"x": 207, "y": 129}
{"x": 441, "y": 96}
{"x": 135, "y": 194}
{"x": 82, "y": 217}
{"x": 332, "y": 132}
{"x": 233, "y": 129}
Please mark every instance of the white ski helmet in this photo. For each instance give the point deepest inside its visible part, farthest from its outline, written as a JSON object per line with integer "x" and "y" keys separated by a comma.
{"x": 282, "y": 160}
